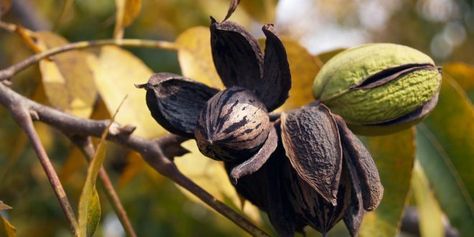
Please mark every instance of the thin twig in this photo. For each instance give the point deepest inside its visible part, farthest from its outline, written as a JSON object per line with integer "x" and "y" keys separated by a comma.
{"x": 150, "y": 150}
{"x": 23, "y": 118}
{"x": 238, "y": 219}
{"x": 10, "y": 71}
{"x": 7, "y": 26}
{"x": 85, "y": 144}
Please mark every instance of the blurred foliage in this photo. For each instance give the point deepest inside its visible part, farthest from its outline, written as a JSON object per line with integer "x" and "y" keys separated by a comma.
{"x": 394, "y": 155}
{"x": 91, "y": 83}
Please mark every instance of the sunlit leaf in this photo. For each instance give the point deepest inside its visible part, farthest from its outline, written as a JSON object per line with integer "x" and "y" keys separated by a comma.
{"x": 6, "y": 228}
{"x": 446, "y": 152}
{"x": 394, "y": 155}
{"x": 127, "y": 11}
{"x": 429, "y": 212}
{"x": 210, "y": 175}
{"x": 67, "y": 78}
{"x": 195, "y": 58}
{"x": 89, "y": 204}
{"x": 303, "y": 68}
{"x": 5, "y": 6}
{"x": 116, "y": 71}
{"x": 464, "y": 76}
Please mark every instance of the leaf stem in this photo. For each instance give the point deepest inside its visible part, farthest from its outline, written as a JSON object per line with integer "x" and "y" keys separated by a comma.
{"x": 220, "y": 207}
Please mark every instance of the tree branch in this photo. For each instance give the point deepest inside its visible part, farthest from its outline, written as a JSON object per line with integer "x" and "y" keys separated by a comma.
{"x": 150, "y": 150}
{"x": 23, "y": 118}
{"x": 7, "y": 73}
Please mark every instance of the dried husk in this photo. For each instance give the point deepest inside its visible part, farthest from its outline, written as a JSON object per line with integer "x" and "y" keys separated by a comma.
{"x": 355, "y": 211}
{"x": 236, "y": 54}
{"x": 175, "y": 102}
{"x": 276, "y": 71}
{"x": 312, "y": 143}
{"x": 364, "y": 166}
{"x": 239, "y": 62}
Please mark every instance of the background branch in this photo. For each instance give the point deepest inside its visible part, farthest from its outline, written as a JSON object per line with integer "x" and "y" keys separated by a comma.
{"x": 22, "y": 116}
{"x": 10, "y": 71}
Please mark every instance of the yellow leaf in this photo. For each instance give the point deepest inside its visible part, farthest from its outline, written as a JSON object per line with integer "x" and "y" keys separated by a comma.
{"x": 67, "y": 78}
{"x": 303, "y": 68}
{"x": 89, "y": 204}
{"x": 6, "y": 228}
{"x": 127, "y": 11}
{"x": 195, "y": 57}
{"x": 116, "y": 71}
{"x": 430, "y": 214}
{"x": 211, "y": 175}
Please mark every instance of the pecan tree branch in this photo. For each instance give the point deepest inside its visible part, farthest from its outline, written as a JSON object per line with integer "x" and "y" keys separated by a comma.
{"x": 10, "y": 71}
{"x": 86, "y": 146}
{"x": 150, "y": 150}
{"x": 22, "y": 116}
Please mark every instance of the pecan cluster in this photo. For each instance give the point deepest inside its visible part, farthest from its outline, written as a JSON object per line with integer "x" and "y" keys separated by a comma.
{"x": 303, "y": 168}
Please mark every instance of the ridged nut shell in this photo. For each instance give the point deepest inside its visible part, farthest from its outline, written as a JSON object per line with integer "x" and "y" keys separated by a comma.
{"x": 233, "y": 125}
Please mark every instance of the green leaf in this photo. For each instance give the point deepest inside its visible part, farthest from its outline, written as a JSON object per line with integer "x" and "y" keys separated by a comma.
{"x": 446, "y": 152}
{"x": 464, "y": 76}
{"x": 89, "y": 203}
{"x": 394, "y": 155}
{"x": 430, "y": 214}
{"x": 67, "y": 79}
{"x": 116, "y": 71}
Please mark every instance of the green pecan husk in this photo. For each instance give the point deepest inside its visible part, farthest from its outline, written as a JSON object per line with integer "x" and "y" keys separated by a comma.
{"x": 379, "y": 88}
